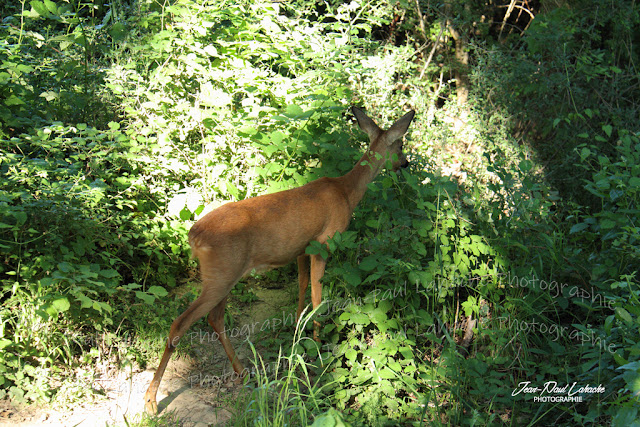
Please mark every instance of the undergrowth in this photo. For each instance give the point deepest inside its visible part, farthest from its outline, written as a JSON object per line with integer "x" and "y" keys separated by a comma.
{"x": 504, "y": 259}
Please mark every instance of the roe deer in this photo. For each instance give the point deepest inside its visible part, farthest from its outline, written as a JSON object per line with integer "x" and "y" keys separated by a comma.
{"x": 273, "y": 229}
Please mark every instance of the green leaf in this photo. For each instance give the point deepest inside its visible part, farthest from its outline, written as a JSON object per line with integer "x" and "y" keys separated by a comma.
{"x": 406, "y": 353}
{"x": 360, "y": 319}
{"x": 51, "y": 6}
{"x": 384, "y": 306}
{"x": 608, "y": 323}
{"x": 607, "y": 223}
{"x": 117, "y": 31}
{"x": 13, "y": 100}
{"x": 65, "y": 267}
{"x": 563, "y": 302}
{"x": 353, "y": 278}
{"x": 20, "y": 216}
{"x": 149, "y": 299}
{"x": 96, "y": 306}
{"x": 294, "y": 110}
{"x": 422, "y": 226}
{"x": 61, "y": 304}
{"x": 316, "y": 248}
{"x": 378, "y": 316}
{"x": 386, "y": 373}
{"x": 109, "y": 273}
{"x": 578, "y": 227}
{"x": 623, "y": 315}
{"x": 525, "y": 165}
{"x": 158, "y": 291}
{"x": 232, "y": 189}
{"x": 626, "y": 416}
{"x": 373, "y": 223}
{"x": 369, "y": 263}
{"x": 331, "y": 418}
{"x": 46, "y": 281}
{"x": 424, "y": 278}
{"x": 351, "y": 354}
{"x": 85, "y": 302}
{"x": 40, "y": 8}
{"x": 185, "y": 214}
{"x": 276, "y": 137}
{"x": 619, "y": 359}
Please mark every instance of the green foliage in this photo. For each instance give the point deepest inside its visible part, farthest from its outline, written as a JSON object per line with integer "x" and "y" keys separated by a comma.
{"x": 612, "y": 248}
{"x": 568, "y": 78}
{"x": 611, "y": 228}
{"x": 240, "y": 100}
{"x": 119, "y": 122}
{"x": 80, "y": 237}
{"x": 50, "y": 64}
{"x": 245, "y": 98}
{"x": 399, "y": 275}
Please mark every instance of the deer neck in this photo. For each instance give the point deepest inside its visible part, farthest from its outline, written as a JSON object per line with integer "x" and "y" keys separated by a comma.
{"x": 355, "y": 181}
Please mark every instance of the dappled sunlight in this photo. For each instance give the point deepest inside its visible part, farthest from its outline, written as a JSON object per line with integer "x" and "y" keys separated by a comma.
{"x": 491, "y": 281}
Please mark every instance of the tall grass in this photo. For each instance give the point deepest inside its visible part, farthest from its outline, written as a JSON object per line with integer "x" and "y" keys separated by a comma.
{"x": 286, "y": 391}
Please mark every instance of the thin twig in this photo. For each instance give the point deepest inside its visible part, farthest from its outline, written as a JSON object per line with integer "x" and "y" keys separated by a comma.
{"x": 433, "y": 50}
{"x": 506, "y": 17}
{"x": 421, "y": 19}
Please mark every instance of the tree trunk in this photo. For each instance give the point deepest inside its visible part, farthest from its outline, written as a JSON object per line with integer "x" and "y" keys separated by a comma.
{"x": 461, "y": 66}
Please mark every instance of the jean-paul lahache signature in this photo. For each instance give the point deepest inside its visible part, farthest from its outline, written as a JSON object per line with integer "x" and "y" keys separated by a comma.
{"x": 551, "y": 391}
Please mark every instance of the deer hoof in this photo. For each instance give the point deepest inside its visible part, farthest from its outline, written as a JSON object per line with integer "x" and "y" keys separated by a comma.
{"x": 151, "y": 407}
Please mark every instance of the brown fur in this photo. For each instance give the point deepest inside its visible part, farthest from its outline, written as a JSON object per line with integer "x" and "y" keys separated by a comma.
{"x": 270, "y": 231}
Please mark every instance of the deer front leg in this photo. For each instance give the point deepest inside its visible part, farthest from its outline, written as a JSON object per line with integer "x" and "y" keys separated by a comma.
{"x": 317, "y": 271}
{"x": 303, "y": 282}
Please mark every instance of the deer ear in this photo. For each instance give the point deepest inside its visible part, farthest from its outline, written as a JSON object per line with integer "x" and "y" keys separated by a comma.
{"x": 366, "y": 124}
{"x": 399, "y": 128}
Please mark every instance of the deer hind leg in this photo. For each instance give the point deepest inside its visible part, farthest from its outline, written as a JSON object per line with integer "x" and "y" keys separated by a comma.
{"x": 303, "y": 282}
{"x": 216, "y": 320}
{"x": 317, "y": 271}
{"x": 201, "y": 306}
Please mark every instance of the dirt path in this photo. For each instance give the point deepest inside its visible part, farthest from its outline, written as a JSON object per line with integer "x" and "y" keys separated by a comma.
{"x": 191, "y": 389}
